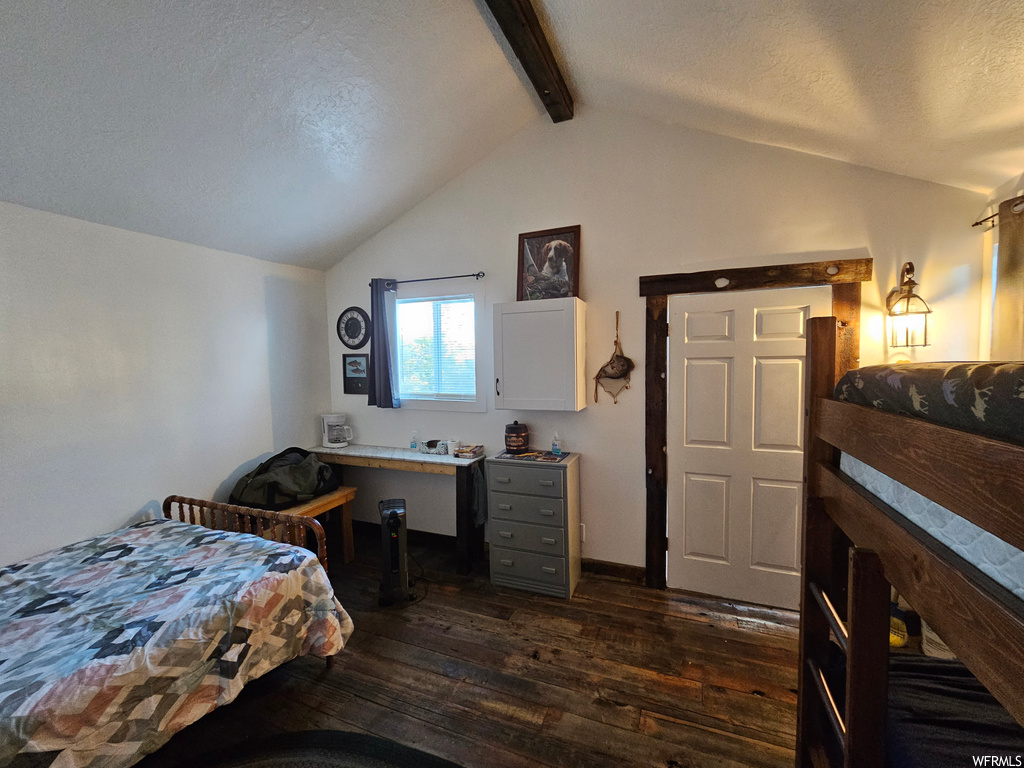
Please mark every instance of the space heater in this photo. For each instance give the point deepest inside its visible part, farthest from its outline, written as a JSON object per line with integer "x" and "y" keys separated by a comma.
{"x": 394, "y": 567}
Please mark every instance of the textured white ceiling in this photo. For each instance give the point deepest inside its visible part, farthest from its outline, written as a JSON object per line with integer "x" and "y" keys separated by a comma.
{"x": 932, "y": 89}
{"x": 292, "y": 130}
{"x": 289, "y": 130}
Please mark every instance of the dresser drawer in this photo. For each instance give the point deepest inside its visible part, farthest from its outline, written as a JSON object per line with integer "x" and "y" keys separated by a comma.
{"x": 526, "y": 509}
{"x": 535, "y": 538}
{"x": 506, "y": 478}
{"x": 527, "y": 565}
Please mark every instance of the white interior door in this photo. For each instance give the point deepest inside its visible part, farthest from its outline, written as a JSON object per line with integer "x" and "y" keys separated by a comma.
{"x": 735, "y": 441}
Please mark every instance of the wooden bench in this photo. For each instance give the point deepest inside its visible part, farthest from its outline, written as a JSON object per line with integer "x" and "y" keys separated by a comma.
{"x": 340, "y": 525}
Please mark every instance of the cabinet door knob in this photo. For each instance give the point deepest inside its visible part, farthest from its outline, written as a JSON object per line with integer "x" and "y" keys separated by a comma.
{"x": 547, "y": 483}
{"x": 505, "y": 507}
{"x": 548, "y": 512}
{"x": 496, "y": 388}
{"x": 505, "y": 534}
{"x": 548, "y": 569}
{"x": 503, "y": 479}
{"x": 547, "y": 541}
{"x": 506, "y": 562}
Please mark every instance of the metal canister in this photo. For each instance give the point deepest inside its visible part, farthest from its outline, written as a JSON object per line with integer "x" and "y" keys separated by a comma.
{"x": 517, "y": 438}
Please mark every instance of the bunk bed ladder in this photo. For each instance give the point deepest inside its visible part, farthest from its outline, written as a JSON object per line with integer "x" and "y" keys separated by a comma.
{"x": 845, "y": 601}
{"x": 857, "y": 720}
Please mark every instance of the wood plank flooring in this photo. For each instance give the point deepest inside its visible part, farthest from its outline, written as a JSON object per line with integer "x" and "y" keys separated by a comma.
{"x": 492, "y": 677}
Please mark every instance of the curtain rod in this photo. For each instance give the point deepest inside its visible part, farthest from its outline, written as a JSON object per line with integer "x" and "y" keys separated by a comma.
{"x": 393, "y": 283}
{"x": 979, "y": 222}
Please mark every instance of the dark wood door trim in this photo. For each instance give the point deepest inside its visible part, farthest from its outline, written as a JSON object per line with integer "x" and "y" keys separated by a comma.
{"x": 756, "y": 278}
{"x": 521, "y": 27}
{"x": 845, "y": 277}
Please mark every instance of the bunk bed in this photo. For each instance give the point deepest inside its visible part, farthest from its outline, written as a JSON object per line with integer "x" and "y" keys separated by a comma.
{"x": 854, "y": 702}
{"x": 111, "y": 645}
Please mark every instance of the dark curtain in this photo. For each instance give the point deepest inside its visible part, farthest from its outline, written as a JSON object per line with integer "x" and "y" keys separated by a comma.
{"x": 1008, "y": 312}
{"x": 382, "y": 383}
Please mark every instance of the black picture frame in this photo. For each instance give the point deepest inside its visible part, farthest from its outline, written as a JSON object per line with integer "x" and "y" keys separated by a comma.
{"x": 548, "y": 264}
{"x": 356, "y": 368}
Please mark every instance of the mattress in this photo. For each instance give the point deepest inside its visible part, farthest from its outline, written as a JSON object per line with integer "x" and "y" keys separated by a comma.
{"x": 939, "y": 715}
{"x": 991, "y": 555}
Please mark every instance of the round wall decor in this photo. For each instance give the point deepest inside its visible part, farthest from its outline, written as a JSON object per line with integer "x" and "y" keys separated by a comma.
{"x": 354, "y": 327}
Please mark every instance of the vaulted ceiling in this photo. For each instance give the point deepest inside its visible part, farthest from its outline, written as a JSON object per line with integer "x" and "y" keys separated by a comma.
{"x": 293, "y": 130}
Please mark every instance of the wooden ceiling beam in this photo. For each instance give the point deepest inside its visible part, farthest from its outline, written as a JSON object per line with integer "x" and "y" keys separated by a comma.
{"x": 519, "y": 23}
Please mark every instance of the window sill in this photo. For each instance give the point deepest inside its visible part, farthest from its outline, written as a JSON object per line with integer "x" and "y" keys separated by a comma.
{"x": 463, "y": 406}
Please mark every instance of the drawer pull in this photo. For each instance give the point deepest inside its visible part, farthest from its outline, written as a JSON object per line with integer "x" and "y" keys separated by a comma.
{"x": 506, "y": 562}
{"x": 548, "y": 512}
{"x": 505, "y": 507}
{"x": 548, "y": 569}
{"x": 505, "y": 534}
{"x": 547, "y": 541}
{"x": 547, "y": 483}
{"x": 503, "y": 479}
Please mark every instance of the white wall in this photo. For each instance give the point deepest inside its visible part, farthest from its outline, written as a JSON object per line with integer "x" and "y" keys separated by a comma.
{"x": 651, "y": 199}
{"x": 134, "y": 367}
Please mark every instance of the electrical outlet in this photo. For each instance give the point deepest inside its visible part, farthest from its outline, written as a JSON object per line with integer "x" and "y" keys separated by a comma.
{"x": 583, "y": 532}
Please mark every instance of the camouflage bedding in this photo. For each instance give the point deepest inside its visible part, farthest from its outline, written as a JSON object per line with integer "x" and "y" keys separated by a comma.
{"x": 111, "y": 645}
{"x": 985, "y": 398}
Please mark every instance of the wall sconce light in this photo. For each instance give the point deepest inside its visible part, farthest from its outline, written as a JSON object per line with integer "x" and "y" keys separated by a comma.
{"x": 908, "y": 312}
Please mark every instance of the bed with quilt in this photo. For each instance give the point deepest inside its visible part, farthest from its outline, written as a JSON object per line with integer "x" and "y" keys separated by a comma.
{"x": 939, "y": 714}
{"x": 111, "y": 645}
{"x": 914, "y": 480}
{"x": 982, "y": 398}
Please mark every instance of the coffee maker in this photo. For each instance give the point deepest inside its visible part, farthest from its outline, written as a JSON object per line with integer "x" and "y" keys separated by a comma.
{"x": 335, "y": 433}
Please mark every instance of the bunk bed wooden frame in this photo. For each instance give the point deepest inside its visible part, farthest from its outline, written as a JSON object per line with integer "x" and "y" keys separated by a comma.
{"x": 855, "y": 546}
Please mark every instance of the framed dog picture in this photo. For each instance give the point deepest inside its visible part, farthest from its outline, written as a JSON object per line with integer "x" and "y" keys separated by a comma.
{"x": 549, "y": 264}
{"x": 355, "y": 379}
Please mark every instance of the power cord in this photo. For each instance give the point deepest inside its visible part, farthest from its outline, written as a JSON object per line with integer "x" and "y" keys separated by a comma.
{"x": 413, "y": 599}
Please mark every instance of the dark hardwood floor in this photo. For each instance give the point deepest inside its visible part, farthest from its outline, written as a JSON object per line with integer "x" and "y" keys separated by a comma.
{"x": 491, "y": 677}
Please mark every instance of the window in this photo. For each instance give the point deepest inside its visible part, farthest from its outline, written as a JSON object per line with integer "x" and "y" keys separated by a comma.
{"x": 436, "y": 351}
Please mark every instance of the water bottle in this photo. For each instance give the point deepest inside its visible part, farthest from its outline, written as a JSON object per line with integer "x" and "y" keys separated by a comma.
{"x": 414, "y": 443}
{"x": 556, "y": 445}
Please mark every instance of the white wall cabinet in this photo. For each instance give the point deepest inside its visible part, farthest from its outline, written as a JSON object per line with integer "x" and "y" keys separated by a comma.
{"x": 540, "y": 355}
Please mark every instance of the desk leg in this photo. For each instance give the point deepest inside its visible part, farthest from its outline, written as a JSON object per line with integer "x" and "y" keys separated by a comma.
{"x": 341, "y": 521}
{"x": 469, "y": 539}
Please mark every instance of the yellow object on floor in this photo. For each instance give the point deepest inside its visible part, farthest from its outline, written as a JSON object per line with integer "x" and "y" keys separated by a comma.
{"x": 897, "y": 632}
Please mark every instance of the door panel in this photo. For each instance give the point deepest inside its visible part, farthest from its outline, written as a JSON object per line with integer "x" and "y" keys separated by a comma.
{"x": 707, "y": 419}
{"x": 778, "y": 418}
{"x": 735, "y": 442}
{"x": 775, "y": 534}
{"x": 706, "y": 535}
{"x": 709, "y": 326}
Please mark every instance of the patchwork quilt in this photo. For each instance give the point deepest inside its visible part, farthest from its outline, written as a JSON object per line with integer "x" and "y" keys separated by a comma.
{"x": 111, "y": 645}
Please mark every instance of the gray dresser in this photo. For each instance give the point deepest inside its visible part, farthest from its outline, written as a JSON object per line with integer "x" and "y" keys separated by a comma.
{"x": 534, "y": 524}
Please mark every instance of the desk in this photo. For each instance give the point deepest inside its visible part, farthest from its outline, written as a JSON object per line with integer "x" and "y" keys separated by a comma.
{"x": 469, "y": 539}
{"x": 339, "y": 523}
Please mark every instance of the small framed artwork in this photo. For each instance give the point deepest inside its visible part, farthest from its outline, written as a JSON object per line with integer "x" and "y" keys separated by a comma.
{"x": 549, "y": 264}
{"x": 356, "y": 382}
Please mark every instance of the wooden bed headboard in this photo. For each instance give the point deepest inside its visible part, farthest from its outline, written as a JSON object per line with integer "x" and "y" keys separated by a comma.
{"x": 978, "y": 478}
{"x": 278, "y": 526}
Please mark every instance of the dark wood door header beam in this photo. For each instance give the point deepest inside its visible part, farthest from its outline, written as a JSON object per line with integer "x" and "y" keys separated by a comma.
{"x": 749, "y": 278}
{"x": 521, "y": 27}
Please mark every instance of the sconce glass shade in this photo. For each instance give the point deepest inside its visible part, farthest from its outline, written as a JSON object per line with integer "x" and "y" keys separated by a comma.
{"x": 908, "y": 312}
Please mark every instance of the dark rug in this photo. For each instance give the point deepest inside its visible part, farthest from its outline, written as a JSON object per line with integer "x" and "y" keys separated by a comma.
{"x": 326, "y": 749}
